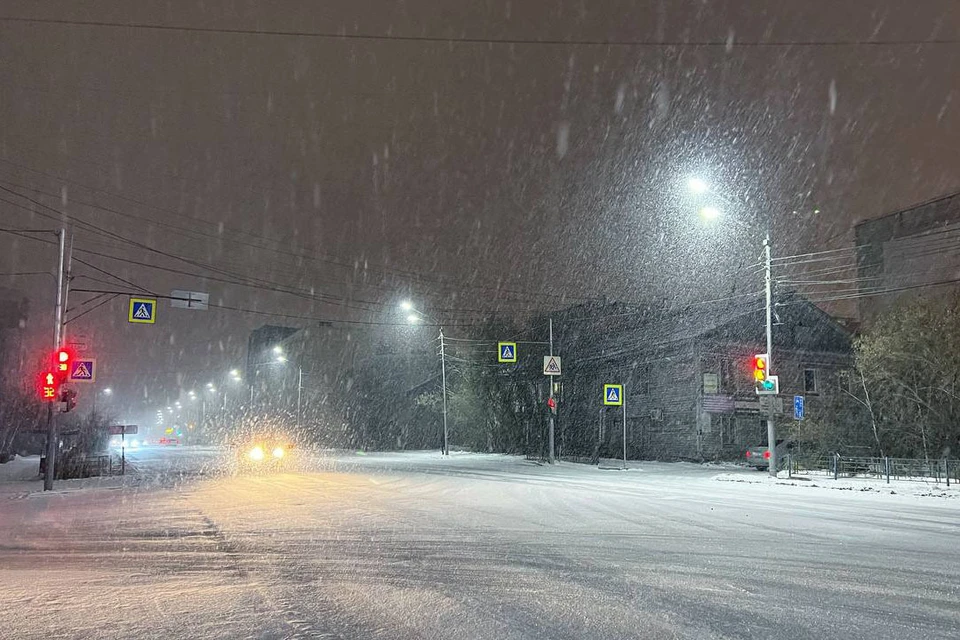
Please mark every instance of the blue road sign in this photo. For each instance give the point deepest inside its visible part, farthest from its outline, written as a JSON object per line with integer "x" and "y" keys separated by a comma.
{"x": 613, "y": 395}
{"x": 142, "y": 310}
{"x": 798, "y": 407}
{"x": 507, "y": 352}
{"x": 83, "y": 370}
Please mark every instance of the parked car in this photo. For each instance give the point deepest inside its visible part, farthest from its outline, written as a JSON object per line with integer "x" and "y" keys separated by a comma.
{"x": 759, "y": 457}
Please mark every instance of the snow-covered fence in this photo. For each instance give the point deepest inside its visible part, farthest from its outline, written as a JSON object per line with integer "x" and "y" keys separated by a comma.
{"x": 935, "y": 470}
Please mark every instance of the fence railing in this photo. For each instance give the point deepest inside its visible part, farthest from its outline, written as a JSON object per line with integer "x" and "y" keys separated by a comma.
{"x": 942, "y": 470}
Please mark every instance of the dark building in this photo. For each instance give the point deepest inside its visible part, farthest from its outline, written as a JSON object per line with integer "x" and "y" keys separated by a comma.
{"x": 907, "y": 254}
{"x": 688, "y": 376}
{"x": 14, "y": 309}
{"x": 259, "y": 344}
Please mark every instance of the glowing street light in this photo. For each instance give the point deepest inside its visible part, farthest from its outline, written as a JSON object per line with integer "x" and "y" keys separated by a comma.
{"x": 414, "y": 317}
{"x": 698, "y": 186}
{"x": 709, "y": 214}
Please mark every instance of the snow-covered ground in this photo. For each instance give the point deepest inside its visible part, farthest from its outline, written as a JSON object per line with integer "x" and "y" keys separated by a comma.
{"x": 474, "y": 546}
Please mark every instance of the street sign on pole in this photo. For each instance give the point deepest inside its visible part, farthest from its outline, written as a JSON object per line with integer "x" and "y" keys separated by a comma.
{"x": 506, "y": 352}
{"x": 798, "y": 407}
{"x": 197, "y": 300}
{"x": 122, "y": 429}
{"x": 142, "y": 311}
{"x": 613, "y": 395}
{"x": 83, "y": 370}
{"x": 551, "y": 365}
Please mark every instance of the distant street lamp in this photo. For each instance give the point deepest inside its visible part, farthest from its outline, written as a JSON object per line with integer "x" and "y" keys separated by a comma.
{"x": 698, "y": 186}
{"x": 710, "y": 213}
{"x": 414, "y": 318}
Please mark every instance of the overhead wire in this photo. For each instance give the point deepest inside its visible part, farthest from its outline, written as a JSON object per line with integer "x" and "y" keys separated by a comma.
{"x": 467, "y": 40}
{"x": 309, "y": 255}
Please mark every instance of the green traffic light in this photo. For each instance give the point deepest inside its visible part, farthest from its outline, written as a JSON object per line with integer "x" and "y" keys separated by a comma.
{"x": 768, "y": 384}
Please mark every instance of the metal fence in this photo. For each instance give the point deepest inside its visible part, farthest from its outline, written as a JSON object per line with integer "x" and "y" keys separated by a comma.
{"x": 943, "y": 470}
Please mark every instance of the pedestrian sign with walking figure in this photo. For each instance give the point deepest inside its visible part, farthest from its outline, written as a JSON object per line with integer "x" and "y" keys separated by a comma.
{"x": 613, "y": 395}
{"x": 142, "y": 311}
{"x": 506, "y": 352}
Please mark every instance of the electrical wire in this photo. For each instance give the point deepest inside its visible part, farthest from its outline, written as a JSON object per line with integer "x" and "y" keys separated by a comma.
{"x": 423, "y": 39}
{"x": 311, "y": 254}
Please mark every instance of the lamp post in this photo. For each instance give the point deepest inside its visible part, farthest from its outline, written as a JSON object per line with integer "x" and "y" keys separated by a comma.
{"x": 709, "y": 213}
{"x": 414, "y": 318}
{"x": 280, "y": 358}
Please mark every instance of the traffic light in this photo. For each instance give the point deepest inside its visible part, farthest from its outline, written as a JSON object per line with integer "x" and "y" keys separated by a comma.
{"x": 48, "y": 386}
{"x": 764, "y": 383}
{"x": 62, "y": 360}
{"x": 69, "y": 399}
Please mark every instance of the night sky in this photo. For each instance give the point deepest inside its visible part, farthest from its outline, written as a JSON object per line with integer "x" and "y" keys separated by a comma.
{"x": 495, "y": 156}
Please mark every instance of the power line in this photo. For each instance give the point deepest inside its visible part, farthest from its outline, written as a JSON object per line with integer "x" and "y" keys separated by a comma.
{"x": 724, "y": 43}
{"x": 311, "y": 256}
{"x": 288, "y": 315}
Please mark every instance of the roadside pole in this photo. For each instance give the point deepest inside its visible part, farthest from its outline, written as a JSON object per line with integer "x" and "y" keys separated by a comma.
{"x": 551, "y": 456}
{"x": 443, "y": 382}
{"x": 299, "y": 392}
{"x": 48, "y": 471}
{"x": 624, "y": 408}
{"x": 771, "y": 427}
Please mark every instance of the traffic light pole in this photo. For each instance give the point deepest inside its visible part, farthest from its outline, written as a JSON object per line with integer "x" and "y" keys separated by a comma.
{"x": 443, "y": 382}
{"x": 771, "y": 427}
{"x": 58, "y": 324}
{"x": 551, "y": 454}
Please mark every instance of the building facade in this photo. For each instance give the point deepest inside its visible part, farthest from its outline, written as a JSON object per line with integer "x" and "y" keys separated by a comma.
{"x": 687, "y": 377}
{"x": 907, "y": 254}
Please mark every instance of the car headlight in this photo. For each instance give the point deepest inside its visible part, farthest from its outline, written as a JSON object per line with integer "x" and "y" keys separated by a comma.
{"x": 278, "y": 452}
{"x": 256, "y": 453}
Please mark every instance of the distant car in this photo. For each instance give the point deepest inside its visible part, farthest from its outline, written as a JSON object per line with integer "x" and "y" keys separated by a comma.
{"x": 759, "y": 457}
{"x": 168, "y": 442}
{"x": 263, "y": 453}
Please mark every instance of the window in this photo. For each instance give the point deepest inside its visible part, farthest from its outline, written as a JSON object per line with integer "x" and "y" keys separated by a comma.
{"x": 810, "y": 381}
{"x": 643, "y": 384}
{"x": 727, "y": 424}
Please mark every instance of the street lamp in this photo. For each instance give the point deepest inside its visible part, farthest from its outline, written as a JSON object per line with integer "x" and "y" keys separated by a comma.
{"x": 698, "y": 185}
{"x": 415, "y": 317}
{"x": 709, "y": 213}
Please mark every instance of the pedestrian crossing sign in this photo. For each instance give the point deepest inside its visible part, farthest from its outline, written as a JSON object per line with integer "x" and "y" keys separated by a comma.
{"x": 613, "y": 395}
{"x": 142, "y": 311}
{"x": 84, "y": 370}
{"x": 506, "y": 352}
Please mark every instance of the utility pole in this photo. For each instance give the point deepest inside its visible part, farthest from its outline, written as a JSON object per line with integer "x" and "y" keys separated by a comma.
{"x": 66, "y": 291}
{"x": 443, "y": 382}
{"x": 551, "y": 455}
{"x": 624, "y": 407}
{"x": 771, "y": 427}
{"x": 299, "y": 392}
{"x": 58, "y": 325}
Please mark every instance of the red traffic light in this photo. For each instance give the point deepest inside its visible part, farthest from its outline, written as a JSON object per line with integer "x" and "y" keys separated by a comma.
{"x": 760, "y": 367}
{"x": 61, "y": 361}
{"x": 48, "y": 386}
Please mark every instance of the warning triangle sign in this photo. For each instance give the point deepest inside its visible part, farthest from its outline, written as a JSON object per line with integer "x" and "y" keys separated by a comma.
{"x": 142, "y": 312}
{"x": 552, "y": 366}
{"x": 613, "y": 395}
{"x": 81, "y": 372}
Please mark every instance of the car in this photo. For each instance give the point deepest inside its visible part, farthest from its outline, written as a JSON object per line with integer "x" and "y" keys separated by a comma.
{"x": 263, "y": 453}
{"x": 759, "y": 457}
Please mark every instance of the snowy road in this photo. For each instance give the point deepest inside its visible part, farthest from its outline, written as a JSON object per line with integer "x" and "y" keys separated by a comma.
{"x": 413, "y": 546}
